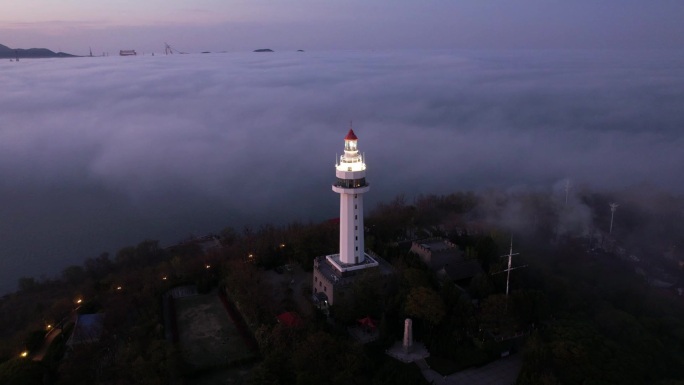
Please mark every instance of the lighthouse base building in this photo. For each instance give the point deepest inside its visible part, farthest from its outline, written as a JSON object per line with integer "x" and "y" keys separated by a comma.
{"x": 335, "y": 273}
{"x": 331, "y": 279}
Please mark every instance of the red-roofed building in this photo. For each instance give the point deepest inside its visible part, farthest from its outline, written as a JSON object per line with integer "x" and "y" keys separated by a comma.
{"x": 290, "y": 319}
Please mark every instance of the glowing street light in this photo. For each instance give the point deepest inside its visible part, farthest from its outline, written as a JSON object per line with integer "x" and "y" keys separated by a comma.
{"x": 79, "y": 301}
{"x": 208, "y": 266}
{"x": 118, "y": 288}
{"x": 48, "y": 327}
{"x": 24, "y": 354}
{"x": 164, "y": 278}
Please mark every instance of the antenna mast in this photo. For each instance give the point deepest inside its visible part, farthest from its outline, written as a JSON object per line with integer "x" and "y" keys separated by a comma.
{"x": 509, "y": 269}
{"x": 613, "y": 207}
{"x": 567, "y": 190}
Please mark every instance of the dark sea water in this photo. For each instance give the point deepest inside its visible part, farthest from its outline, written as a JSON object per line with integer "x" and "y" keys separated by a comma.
{"x": 100, "y": 153}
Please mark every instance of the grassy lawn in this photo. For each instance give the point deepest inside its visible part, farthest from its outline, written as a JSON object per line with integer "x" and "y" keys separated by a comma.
{"x": 207, "y": 336}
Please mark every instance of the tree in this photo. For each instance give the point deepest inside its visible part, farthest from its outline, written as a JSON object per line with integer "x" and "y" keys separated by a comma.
{"x": 495, "y": 312}
{"x": 322, "y": 358}
{"x": 27, "y": 283}
{"x": 73, "y": 274}
{"x": 229, "y": 236}
{"x": 426, "y": 304}
{"x": 99, "y": 267}
{"x": 20, "y": 371}
{"x": 487, "y": 251}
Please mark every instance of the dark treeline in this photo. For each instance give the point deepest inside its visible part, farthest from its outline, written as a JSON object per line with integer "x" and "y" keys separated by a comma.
{"x": 589, "y": 308}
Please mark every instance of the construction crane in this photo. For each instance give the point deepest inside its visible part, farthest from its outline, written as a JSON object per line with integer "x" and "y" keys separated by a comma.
{"x": 168, "y": 50}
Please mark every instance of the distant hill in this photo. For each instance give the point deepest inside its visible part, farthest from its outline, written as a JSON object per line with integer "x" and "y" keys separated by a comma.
{"x": 11, "y": 53}
{"x": 263, "y": 50}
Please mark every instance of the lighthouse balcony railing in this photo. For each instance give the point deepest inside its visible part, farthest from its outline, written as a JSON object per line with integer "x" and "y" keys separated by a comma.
{"x": 351, "y": 183}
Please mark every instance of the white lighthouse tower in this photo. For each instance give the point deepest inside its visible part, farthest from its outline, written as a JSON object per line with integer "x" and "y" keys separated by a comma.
{"x": 333, "y": 274}
{"x": 351, "y": 185}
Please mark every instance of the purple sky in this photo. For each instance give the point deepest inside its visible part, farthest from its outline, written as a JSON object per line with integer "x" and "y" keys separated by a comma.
{"x": 229, "y": 25}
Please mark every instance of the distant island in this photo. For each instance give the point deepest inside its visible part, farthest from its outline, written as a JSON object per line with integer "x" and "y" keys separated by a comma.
{"x": 33, "y": 53}
{"x": 263, "y": 50}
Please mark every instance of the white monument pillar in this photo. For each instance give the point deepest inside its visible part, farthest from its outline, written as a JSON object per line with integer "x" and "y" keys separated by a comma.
{"x": 351, "y": 185}
{"x": 408, "y": 336}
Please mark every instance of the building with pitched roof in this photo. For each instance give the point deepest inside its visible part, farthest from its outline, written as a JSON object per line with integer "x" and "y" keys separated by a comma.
{"x": 446, "y": 260}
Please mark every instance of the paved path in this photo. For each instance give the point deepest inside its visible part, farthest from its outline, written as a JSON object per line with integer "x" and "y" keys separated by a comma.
{"x": 500, "y": 372}
{"x": 40, "y": 354}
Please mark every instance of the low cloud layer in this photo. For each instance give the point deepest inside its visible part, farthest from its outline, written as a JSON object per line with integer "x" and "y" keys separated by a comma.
{"x": 97, "y": 153}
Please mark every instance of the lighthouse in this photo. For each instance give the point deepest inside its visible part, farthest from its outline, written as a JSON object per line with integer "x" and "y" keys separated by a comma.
{"x": 334, "y": 274}
{"x": 350, "y": 172}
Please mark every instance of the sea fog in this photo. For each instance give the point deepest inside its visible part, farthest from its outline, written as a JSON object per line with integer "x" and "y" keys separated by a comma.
{"x": 100, "y": 153}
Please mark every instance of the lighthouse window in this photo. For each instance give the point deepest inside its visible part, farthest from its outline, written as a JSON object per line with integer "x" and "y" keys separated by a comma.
{"x": 325, "y": 288}
{"x": 356, "y": 217}
{"x": 357, "y": 238}
{"x": 357, "y": 248}
{"x": 356, "y": 227}
{"x": 355, "y": 207}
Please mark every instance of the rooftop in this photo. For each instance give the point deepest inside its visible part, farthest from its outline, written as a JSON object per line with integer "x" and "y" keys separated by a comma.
{"x": 88, "y": 329}
{"x": 350, "y": 135}
{"x": 343, "y": 277}
{"x": 344, "y": 267}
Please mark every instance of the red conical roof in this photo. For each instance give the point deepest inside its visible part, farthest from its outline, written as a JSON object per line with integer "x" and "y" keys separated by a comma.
{"x": 350, "y": 135}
